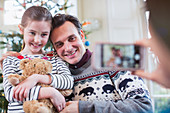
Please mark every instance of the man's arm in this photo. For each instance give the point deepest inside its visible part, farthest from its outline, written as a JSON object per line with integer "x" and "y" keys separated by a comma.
{"x": 134, "y": 97}
{"x": 140, "y": 105}
{"x": 5, "y": 55}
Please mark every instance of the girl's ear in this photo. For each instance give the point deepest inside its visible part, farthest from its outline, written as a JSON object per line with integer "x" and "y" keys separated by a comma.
{"x": 21, "y": 29}
{"x": 82, "y": 35}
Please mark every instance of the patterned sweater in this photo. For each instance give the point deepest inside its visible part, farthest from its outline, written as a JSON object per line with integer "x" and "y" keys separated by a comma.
{"x": 61, "y": 79}
{"x": 108, "y": 91}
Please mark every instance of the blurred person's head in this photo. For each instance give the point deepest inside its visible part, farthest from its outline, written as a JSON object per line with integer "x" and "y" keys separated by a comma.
{"x": 113, "y": 49}
{"x": 159, "y": 18}
{"x": 159, "y": 27}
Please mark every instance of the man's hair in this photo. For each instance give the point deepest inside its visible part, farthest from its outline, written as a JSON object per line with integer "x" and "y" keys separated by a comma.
{"x": 60, "y": 19}
{"x": 159, "y": 19}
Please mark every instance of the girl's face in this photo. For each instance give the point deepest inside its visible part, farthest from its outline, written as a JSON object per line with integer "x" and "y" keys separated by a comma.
{"x": 36, "y": 35}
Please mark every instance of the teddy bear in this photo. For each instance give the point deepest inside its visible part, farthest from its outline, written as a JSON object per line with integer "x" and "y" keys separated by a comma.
{"x": 36, "y": 66}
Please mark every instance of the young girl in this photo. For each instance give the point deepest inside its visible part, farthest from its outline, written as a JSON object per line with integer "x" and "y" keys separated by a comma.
{"x": 35, "y": 26}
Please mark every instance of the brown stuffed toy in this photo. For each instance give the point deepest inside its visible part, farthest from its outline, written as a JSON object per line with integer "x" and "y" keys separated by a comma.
{"x": 36, "y": 66}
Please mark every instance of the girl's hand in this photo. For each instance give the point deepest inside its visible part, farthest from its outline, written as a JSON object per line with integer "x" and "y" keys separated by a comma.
{"x": 22, "y": 89}
{"x": 58, "y": 100}
{"x": 54, "y": 95}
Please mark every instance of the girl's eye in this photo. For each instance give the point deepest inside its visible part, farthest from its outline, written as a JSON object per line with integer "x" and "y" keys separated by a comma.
{"x": 71, "y": 39}
{"x": 43, "y": 35}
{"x": 32, "y": 33}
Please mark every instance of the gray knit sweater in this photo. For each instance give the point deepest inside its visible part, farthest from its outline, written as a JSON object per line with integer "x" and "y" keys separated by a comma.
{"x": 109, "y": 92}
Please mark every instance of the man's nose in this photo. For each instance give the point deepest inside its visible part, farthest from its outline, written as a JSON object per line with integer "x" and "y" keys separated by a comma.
{"x": 67, "y": 46}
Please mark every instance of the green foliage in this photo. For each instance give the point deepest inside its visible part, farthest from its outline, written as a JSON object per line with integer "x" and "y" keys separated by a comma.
{"x": 1, "y": 78}
{"x": 49, "y": 46}
{"x": 11, "y": 41}
{"x": 162, "y": 105}
{"x": 3, "y": 103}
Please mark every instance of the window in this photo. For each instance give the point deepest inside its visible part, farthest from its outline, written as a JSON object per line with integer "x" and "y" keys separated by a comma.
{"x": 14, "y": 10}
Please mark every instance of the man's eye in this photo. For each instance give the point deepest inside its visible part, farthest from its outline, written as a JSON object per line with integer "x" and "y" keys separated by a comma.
{"x": 71, "y": 39}
{"x": 59, "y": 45}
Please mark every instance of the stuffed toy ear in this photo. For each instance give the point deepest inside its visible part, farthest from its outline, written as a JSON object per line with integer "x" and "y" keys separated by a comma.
{"x": 48, "y": 66}
{"x": 23, "y": 62}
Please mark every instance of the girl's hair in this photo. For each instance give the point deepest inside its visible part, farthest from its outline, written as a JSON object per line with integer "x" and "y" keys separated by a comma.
{"x": 35, "y": 13}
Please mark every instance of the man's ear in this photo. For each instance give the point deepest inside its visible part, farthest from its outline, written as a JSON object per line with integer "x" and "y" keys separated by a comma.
{"x": 82, "y": 35}
{"x": 21, "y": 29}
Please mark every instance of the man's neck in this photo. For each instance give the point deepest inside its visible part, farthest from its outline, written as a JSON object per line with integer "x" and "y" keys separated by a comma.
{"x": 85, "y": 58}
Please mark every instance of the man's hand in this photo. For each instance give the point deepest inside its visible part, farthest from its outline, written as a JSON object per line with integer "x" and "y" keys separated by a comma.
{"x": 9, "y": 53}
{"x": 71, "y": 107}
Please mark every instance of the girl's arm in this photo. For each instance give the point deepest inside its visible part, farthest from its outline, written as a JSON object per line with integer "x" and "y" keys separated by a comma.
{"x": 22, "y": 89}
{"x": 11, "y": 66}
{"x": 60, "y": 78}
{"x": 55, "y": 96}
{"x": 61, "y": 75}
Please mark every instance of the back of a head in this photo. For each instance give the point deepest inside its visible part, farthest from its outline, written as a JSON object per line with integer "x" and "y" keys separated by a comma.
{"x": 60, "y": 19}
{"x": 159, "y": 19}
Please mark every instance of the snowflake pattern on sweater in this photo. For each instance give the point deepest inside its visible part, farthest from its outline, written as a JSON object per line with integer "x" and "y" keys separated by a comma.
{"x": 104, "y": 85}
{"x": 108, "y": 91}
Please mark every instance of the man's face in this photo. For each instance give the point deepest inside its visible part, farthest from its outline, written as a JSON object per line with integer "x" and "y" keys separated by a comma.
{"x": 67, "y": 42}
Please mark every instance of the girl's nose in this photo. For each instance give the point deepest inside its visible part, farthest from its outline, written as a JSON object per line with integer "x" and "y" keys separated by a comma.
{"x": 37, "y": 39}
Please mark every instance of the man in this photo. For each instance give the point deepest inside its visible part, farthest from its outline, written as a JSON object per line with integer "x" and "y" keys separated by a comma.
{"x": 95, "y": 91}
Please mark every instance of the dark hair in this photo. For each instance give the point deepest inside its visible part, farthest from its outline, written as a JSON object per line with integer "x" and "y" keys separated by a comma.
{"x": 60, "y": 19}
{"x": 35, "y": 13}
{"x": 159, "y": 19}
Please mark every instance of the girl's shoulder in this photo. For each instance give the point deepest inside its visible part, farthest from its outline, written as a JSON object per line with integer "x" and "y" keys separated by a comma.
{"x": 12, "y": 58}
{"x": 51, "y": 55}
